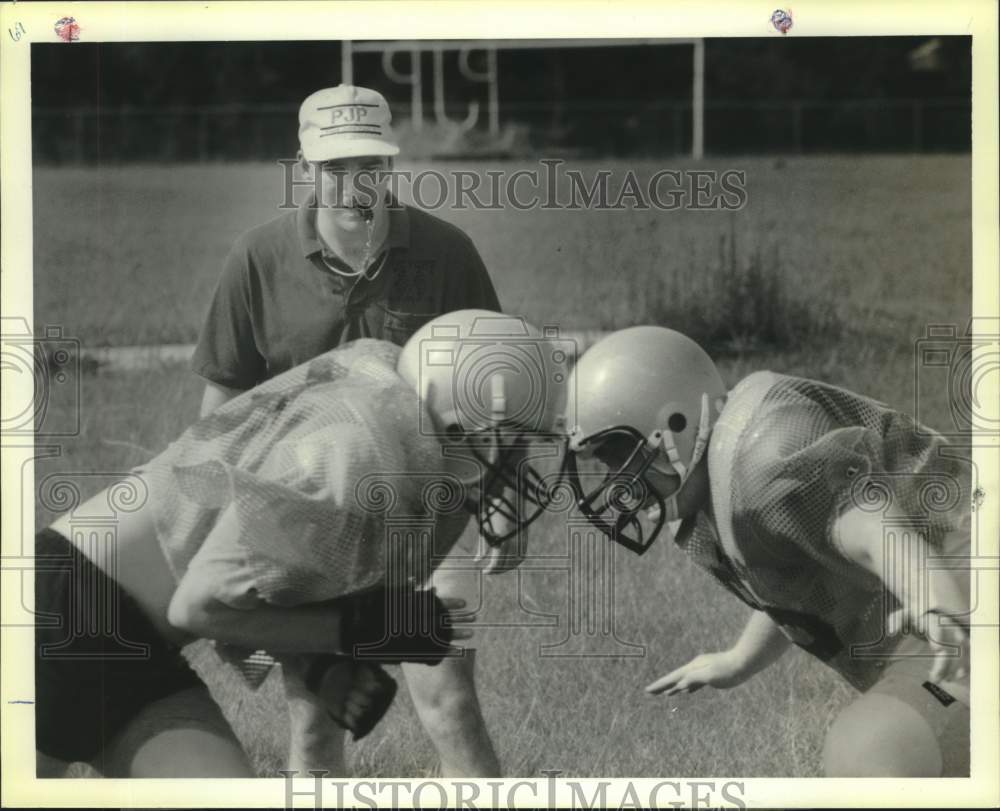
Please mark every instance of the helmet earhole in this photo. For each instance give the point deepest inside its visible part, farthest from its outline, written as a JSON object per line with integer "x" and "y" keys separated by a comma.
{"x": 454, "y": 432}
{"x": 677, "y": 422}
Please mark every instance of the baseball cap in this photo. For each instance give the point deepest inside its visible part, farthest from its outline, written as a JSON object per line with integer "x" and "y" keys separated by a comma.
{"x": 345, "y": 122}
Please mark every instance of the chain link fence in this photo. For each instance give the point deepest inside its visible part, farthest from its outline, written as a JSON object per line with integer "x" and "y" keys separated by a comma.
{"x": 267, "y": 132}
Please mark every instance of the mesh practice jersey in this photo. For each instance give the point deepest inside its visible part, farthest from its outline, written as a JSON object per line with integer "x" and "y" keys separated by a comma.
{"x": 788, "y": 456}
{"x": 323, "y": 478}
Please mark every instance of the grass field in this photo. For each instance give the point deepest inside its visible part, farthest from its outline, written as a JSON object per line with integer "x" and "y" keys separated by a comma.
{"x": 843, "y": 261}
{"x": 884, "y": 242}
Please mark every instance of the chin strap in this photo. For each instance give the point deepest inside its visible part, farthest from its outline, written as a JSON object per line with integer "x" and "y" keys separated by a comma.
{"x": 704, "y": 431}
{"x": 669, "y": 449}
{"x": 498, "y": 411}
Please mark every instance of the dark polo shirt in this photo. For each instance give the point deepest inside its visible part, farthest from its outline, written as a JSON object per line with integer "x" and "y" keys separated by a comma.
{"x": 277, "y": 304}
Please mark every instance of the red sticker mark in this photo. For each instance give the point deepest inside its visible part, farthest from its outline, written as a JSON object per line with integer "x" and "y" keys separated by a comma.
{"x": 67, "y": 29}
{"x": 782, "y": 20}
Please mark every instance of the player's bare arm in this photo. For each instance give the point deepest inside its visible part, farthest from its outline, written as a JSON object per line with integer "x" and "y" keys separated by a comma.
{"x": 216, "y": 395}
{"x": 933, "y": 604}
{"x": 318, "y": 689}
{"x": 761, "y": 644}
{"x": 312, "y": 744}
{"x": 330, "y": 627}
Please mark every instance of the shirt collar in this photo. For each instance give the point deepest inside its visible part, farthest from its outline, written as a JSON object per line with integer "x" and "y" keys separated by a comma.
{"x": 305, "y": 221}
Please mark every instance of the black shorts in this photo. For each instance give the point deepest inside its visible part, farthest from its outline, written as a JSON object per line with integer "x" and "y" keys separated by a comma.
{"x": 98, "y": 659}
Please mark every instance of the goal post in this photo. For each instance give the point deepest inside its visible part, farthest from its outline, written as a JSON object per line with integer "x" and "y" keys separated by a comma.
{"x": 698, "y": 100}
{"x": 388, "y": 48}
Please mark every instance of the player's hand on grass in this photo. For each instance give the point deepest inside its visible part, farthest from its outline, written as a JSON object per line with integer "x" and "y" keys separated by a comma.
{"x": 948, "y": 637}
{"x": 720, "y": 670}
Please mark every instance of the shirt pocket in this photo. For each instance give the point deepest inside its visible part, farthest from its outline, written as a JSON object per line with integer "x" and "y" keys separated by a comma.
{"x": 398, "y": 326}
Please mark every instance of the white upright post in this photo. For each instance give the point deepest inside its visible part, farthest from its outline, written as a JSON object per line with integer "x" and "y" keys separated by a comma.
{"x": 698, "y": 102}
{"x": 494, "y": 103}
{"x": 416, "y": 90}
{"x": 346, "y": 63}
{"x": 413, "y": 79}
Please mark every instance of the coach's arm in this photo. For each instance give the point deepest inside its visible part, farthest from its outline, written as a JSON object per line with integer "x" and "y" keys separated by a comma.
{"x": 925, "y": 596}
{"x": 216, "y": 395}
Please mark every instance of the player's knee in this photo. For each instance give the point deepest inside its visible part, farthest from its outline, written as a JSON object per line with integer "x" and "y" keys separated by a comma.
{"x": 447, "y": 681}
{"x": 182, "y": 735}
{"x": 46, "y": 766}
{"x": 444, "y": 694}
{"x": 880, "y": 736}
{"x": 189, "y": 753}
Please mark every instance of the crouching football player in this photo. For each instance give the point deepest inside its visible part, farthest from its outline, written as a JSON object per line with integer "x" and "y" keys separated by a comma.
{"x": 298, "y": 518}
{"x": 784, "y": 488}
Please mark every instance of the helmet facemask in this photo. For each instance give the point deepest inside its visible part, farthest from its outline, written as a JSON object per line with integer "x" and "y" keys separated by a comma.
{"x": 627, "y": 493}
{"x": 491, "y": 385}
{"x": 505, "y": 483}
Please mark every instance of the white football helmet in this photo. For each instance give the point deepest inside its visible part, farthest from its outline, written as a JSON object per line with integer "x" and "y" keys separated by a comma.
{"x": 491, "y": 384}
{"x": 645, "y": 398}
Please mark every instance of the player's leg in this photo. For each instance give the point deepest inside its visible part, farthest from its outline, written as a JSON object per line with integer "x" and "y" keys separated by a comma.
{"x": 127, "y": 552}
{"x": 444, "y": 694}
{"x": 182, "y": 735}
{"x": 904, "y": 726}
{"x": 315, "y": 741}
{"x": 101, "y": 658}
{"x": 49, "y": 767}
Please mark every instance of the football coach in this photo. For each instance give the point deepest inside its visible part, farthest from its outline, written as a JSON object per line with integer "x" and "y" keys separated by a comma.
{"x": 351, "y": 262}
